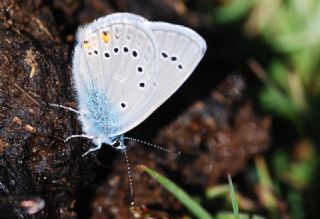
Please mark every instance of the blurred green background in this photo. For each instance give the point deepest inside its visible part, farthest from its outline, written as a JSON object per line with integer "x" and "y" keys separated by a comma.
{"x": 286, "y": 67}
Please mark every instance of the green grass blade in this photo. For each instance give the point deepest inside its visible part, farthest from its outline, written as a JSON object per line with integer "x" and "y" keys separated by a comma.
{"x": 235, "y": 206}
{"x": 179, "y": 193}
{"x": 230, "y": 215}
{"x": 217, "y": 191}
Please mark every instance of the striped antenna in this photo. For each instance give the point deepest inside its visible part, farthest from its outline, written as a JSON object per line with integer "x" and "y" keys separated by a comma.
{"x": 153, "y": 145}
{"x": 130, "y": 177}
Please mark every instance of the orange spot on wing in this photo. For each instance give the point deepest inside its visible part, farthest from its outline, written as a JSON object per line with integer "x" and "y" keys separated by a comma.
{"x": 105, "y": 37}
{"x": 86, "y": 44}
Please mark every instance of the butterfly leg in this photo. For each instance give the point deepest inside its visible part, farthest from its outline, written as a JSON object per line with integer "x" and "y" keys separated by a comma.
{"x": 84, "y": 136}
{"x": 66, "y": 108}
{"x": 78, "y": 136}
{"x": 92, "y": 149}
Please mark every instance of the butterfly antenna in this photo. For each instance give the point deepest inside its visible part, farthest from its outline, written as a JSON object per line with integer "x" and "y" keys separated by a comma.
{"x": 130, "y": 177}
{"x": 153, "y": 145}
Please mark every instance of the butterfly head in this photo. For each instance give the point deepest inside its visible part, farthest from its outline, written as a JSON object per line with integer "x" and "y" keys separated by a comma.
{"x": 118, "y": 143}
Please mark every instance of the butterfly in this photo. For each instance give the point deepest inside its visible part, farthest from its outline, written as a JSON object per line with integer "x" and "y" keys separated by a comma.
{"x": 124, "y": 67}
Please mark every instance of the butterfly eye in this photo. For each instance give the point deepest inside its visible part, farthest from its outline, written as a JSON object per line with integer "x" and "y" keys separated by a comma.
{"x": 116, "y": 144}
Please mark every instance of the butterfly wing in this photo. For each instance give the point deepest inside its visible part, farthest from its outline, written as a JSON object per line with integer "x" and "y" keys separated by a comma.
{"x": 113, "y": 61}
{"x": 125, "y": 67}
{"x": 179, "y": 51}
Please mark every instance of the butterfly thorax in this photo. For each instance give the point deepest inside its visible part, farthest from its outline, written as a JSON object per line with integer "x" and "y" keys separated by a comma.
{"x": 100, "y": 134}
{"x": 98, "y": 118}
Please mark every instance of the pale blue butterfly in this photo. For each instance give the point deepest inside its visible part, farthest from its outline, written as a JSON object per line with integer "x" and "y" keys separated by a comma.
{"x": 124, "y": 68}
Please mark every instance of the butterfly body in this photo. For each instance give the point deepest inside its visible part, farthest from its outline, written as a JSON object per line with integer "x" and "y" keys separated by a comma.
{"x": 125, "y": 67}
